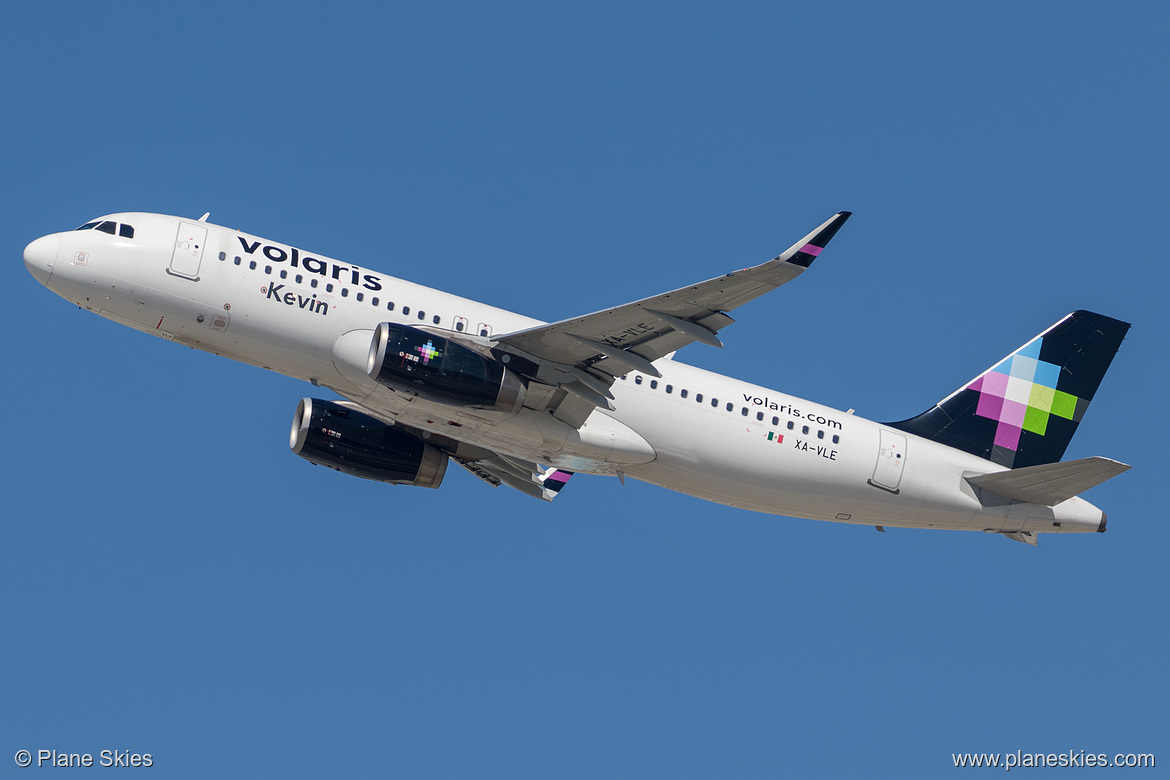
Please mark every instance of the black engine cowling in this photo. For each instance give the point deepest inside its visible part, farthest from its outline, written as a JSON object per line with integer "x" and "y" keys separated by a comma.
{"x": 328, "y": 434}
{"x": 442, "y": 370}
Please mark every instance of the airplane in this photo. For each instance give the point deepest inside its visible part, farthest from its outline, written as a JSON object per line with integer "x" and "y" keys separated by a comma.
{"x": 425, "y": 377}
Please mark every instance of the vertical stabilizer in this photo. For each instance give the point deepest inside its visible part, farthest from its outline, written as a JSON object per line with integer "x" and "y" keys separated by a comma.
{"x": 1024, "y": 410}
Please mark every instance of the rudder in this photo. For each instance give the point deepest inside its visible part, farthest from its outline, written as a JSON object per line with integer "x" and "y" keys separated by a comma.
{"x": 1024, "y": 410}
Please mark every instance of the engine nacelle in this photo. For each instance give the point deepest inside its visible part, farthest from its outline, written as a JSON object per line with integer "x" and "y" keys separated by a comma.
{"x": 443, "y": 370}
{"x": 329, "y": 434}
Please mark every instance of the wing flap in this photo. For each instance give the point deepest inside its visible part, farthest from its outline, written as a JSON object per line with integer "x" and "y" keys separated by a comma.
{"x": 1050, "y": 483}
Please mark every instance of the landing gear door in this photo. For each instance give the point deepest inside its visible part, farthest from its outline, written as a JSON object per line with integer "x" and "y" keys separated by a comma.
{"x": 188, "y": 252}
{"x": 887, "y": 474}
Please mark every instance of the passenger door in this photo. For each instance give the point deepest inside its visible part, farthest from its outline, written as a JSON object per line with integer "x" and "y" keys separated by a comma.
{"x": 188, "y": 252}
{"x": 887, "y": 473}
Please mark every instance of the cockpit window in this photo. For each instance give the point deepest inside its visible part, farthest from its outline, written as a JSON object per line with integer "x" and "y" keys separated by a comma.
{"x": 109, "y": 226}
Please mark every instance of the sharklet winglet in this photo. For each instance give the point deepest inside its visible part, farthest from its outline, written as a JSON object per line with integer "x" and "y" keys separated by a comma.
{"x": 803, "y": 252}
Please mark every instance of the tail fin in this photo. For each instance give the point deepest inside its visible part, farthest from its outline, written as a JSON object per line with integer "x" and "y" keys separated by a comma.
{"x": 1024, "y": 410}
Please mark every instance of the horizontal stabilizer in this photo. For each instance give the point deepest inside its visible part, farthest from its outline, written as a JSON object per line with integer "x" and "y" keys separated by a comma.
{"x": 1050, "y": 483}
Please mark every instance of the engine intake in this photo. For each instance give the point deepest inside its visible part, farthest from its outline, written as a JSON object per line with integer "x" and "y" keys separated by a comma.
{"x": 354, "y": 443}
{"x": 442, "y": 370}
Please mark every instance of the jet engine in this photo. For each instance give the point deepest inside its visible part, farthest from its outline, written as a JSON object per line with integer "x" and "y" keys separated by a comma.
{"x": 441, "y": 369}
{"x": 346, "y": 440}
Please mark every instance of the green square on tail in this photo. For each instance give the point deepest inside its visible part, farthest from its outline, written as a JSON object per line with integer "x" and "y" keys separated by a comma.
{"x": 1036, "y": 420}
{"x": 1064, "y": 405}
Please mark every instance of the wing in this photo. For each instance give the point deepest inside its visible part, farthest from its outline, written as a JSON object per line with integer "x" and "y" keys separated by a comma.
{"x": 583, "y": 355}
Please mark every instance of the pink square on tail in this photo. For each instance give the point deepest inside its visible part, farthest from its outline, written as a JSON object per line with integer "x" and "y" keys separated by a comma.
{"x": 1007, "y": 436}
{"x": 995, "y": 383}
{"x": 1013, "y": 413}
{"x": 989, "y": 406}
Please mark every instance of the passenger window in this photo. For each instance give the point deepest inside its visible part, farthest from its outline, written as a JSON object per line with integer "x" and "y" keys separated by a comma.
{"x": 268, "y": 270}
{"x": 730, "y": 406}
{"x": 699, "y": 398}
{"x": 422, "y": 315}
{"x": 483, "y": 332}
{"x": 775, "y": 420}
{"x": 669, "y": 389}
{"x": 329, "y": 287}
{"x": 299, "y": 278}
{"x": 405, "y": 310}
{"x": 760, "y": 416}
{"x": 126, "y": 231}
{"x": 313, "y": 283}
{"x": 435, "y": 319}
{"x": 820, "y": 434}
{"x": 108, "y": 227}
{"x": 653, "y": 384}
{"x": 252, "y": 265}
{"x": 374, "y": 301}
{"x": 283, "y": 274}
{"x": 223, "y": 255}
{"x": 804, "y": 430}
{"x": 836, "y": 438}
{"x": 791, "y": 425}
{"x": 389, "y": 305}
{"x": 714, "y": 402}
{"x": 236, "y": 261}
{"x": 344, "y": 292}
{"x": 459, "y": 327}
{"x": 682, "y": 393}
{"x": 744, "y": 411}
{"x": 638, "y": 379}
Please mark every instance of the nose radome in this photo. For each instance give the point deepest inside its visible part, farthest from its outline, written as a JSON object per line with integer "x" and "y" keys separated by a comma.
{"x": 40, "y": 255}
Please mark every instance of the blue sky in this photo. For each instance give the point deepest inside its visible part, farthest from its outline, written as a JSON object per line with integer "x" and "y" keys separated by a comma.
{"x": 176, "y": 582}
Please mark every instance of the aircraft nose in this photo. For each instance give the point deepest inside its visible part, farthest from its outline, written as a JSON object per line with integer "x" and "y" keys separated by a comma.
{"x": 40, "y": 255}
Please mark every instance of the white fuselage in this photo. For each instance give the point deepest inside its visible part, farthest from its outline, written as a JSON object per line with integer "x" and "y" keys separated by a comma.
{"x": 690, "y": 430}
